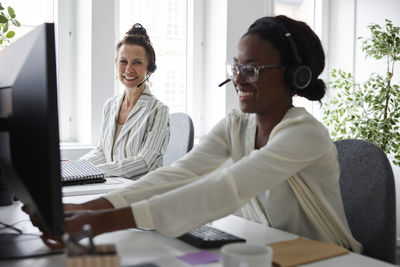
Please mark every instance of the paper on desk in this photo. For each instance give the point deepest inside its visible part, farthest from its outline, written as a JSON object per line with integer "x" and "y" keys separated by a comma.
{"x": 200, "y": 257}
{"x": 301, "y": 251}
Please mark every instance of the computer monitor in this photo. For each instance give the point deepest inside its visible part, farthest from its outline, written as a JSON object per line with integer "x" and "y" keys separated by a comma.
{"x": 29, "y": 137}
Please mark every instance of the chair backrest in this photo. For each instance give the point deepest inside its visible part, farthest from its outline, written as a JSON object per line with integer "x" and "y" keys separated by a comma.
{"x": 369, "y": 197}
{"x": 180, "y": 139}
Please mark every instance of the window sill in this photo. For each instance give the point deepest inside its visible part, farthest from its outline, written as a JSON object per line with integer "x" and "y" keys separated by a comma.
{"x": 73, "y": 150}
{"x": 74, "y": 145}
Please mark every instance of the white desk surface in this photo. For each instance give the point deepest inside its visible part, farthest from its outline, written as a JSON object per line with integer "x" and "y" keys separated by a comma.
{"x": 111, "y": 184}
{"x": 136, "y": 246}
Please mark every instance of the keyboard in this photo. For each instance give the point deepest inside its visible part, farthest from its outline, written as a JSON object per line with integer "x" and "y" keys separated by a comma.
{"x": 76, "y": 172}
{"x": 209, "y": 237}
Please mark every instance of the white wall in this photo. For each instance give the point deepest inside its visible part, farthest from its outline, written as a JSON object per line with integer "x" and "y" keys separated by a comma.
{"x": 214, "y": 60}
{"x": 240, "y": 15}
{"x": 64, "y": 30}
{"x": 340, "y": 49}
{"x": 348, "y": 21}
{"x": 82, "y": 34}
{"x": 103, "y": 54}
{"x": 226, "y": 22}
{"x": 195, "y": 54}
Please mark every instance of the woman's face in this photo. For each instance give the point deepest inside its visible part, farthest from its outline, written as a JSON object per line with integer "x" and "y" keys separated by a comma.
{"x": 269, "y": 92}
{"x": 131, "y": 65}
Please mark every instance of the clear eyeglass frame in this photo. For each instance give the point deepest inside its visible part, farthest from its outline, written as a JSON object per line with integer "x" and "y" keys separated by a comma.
{"x": 248, "y": 72}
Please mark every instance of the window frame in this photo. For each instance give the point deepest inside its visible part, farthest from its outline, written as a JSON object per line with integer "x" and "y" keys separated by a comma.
{"x": 87, "y": 70}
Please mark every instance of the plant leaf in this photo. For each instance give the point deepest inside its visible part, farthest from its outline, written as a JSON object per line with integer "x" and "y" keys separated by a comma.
{"x": 11, "y": 12}
{"x": 15, "y": 22}
{"x": 3, "y": 19}
{"x": 10, "y": 34}
{"x": 5, "y": 29}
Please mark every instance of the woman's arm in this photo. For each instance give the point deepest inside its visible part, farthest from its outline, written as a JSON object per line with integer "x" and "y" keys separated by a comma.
{"x": 96, "y": 155}
{"x": 207, "y": 156}
{"x": 101, "y": 221}
{"x": 95, "y": 204}
{"x": 151, "y": 150}
{"x": 112, "y": 212}
{"x": 297, "y": 146}
{"x": 174, "y": 200}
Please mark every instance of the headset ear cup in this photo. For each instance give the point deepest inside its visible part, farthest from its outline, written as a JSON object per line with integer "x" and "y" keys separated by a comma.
{"x": 298, "y": 77}
{"x": 302, "y": 76}
{"x": 152, "y": 67}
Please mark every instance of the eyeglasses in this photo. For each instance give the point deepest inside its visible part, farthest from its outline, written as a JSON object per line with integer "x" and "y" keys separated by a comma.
{"x": 248, "y": 72}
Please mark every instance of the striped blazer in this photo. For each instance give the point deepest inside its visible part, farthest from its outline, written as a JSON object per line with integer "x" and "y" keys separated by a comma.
{"x": 141, "y": 143}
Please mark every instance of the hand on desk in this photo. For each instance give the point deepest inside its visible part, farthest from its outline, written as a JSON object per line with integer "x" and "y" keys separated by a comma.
{"x": 99, "y": 214}
{"x": 53, "y": 242}
{"x": 74, "y": 221}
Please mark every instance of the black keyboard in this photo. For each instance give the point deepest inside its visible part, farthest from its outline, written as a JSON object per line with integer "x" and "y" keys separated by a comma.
{"x": 209, "y": 237}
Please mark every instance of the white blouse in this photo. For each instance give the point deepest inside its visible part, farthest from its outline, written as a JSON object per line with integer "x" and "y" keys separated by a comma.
{"x": 263, "y": 182}
{"x": 140, "y": 145}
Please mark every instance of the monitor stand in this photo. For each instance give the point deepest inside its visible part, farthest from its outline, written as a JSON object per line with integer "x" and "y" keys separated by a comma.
{"x": 21, "y": 246}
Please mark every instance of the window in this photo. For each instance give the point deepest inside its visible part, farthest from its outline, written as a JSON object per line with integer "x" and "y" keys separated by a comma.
{"x": 82, "y": 81}
{"x": 297, "y": 9}
{"x": 30, "y": 14}
{"x": 166, "y": 25}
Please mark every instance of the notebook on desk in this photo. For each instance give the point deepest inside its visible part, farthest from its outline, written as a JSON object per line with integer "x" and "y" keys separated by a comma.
{"x": 76, "y": 172}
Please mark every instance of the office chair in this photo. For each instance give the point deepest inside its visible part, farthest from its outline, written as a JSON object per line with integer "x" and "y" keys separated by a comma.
{"x": 369, "y": 197}
{"x": 181, "y": 137}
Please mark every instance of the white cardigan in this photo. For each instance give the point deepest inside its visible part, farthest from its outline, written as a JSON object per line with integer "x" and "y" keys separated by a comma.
{"x": 263, "y": 182}
{"x": 141, "y": 143}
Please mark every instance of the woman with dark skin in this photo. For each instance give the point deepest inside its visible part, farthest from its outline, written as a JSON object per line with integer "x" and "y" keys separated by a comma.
{"x": 285, "y": 169}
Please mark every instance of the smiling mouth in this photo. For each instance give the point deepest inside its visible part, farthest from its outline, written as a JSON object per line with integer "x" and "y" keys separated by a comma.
{"x": 129, "y": 79}
{"x": 245, "y": 94}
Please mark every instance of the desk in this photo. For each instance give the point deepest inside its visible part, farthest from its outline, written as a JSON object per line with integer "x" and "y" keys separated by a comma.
{"x": 136, "y": 246}
{"x": 111, "y": 184}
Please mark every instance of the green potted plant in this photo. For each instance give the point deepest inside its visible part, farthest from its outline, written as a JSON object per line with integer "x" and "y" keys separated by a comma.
{"x": 7, "y": 18}
{"x": 369, "y": 110}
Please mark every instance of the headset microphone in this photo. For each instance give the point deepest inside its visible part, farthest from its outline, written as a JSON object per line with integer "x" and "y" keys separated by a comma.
{"x": 224, "y": 82}
{"x": 140, "y": 84}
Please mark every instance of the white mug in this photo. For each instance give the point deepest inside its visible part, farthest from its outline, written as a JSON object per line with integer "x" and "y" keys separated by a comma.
{"x": 246, "y": 255}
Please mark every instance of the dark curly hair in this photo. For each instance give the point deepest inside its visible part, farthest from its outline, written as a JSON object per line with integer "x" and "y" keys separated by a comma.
{"x": 308, "y": 45}
{"x": 137, "y": 35}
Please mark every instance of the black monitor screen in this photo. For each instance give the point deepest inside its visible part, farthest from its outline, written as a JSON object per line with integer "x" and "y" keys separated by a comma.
{"x": 29, "y": 138}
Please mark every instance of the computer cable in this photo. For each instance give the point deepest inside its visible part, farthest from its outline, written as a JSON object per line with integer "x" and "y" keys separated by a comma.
{"x": 10, "y": 226}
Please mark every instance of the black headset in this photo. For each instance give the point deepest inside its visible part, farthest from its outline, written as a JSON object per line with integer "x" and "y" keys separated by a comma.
{"x": 298, "y": 76}
{"x": 152, "y": 65}
{"x": 150, "y": 68}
